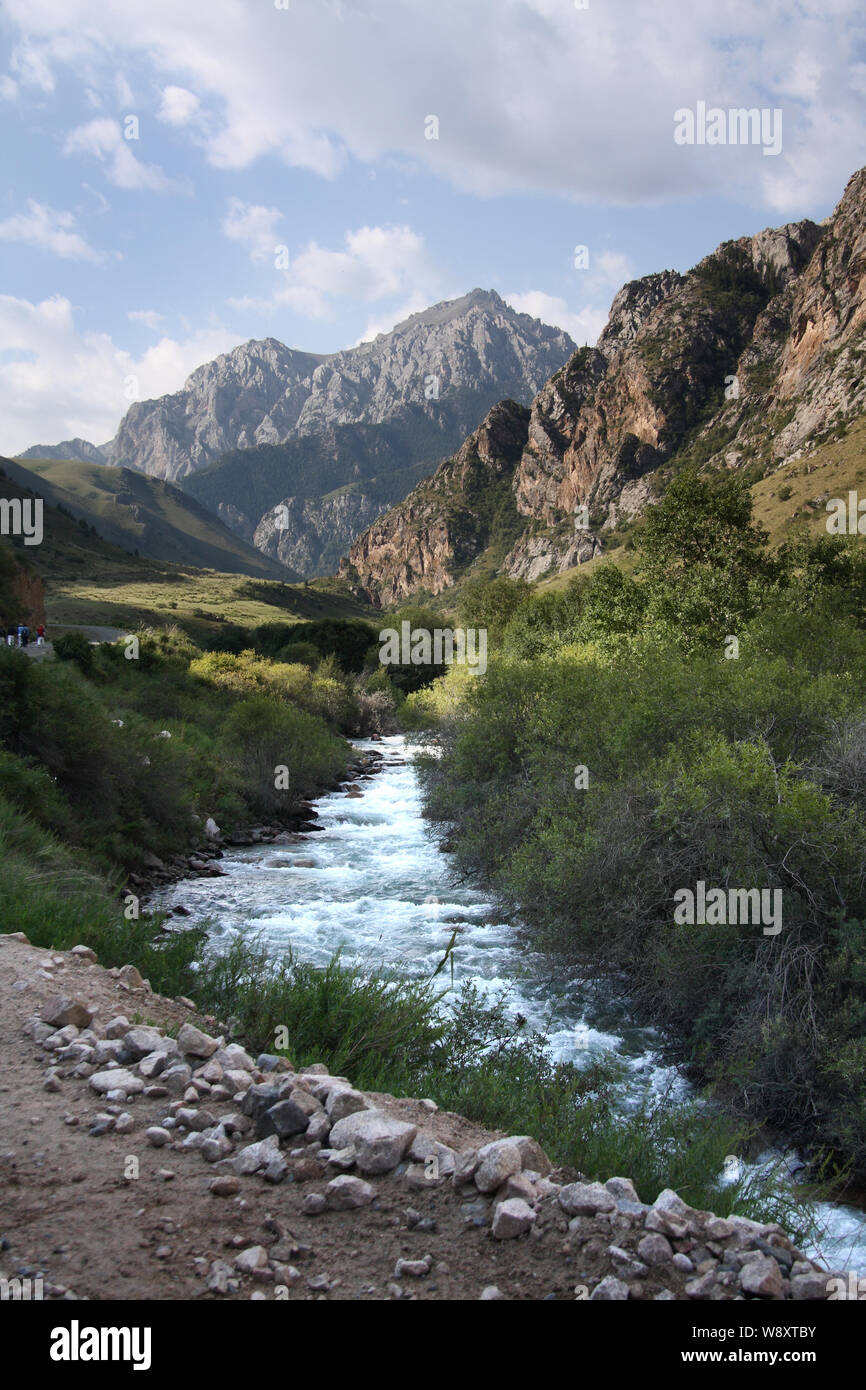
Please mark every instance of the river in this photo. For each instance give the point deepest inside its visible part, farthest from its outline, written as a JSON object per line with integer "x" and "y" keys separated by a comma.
{"x": 375, "y": 884}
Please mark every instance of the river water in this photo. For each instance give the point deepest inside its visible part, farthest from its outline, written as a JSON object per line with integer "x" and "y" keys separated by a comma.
{"x": 376, "y": 885}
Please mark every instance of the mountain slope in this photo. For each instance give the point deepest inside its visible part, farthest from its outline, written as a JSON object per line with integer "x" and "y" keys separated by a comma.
{"x": 143, "y": 514}
{"x": 753, "y": 354}
{"x": 440, "y": 362}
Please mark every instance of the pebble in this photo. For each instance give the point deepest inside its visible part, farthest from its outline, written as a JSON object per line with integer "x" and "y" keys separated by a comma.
{"x": 224, "y": 1187}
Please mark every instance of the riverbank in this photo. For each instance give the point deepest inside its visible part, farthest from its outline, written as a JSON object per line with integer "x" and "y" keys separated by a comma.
{"x": 158, "y": 1161}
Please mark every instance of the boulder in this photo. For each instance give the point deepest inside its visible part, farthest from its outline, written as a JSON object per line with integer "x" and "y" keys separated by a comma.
{"x": 512, "y": 1218}
{"x": 586, "y": 1199}
{"x": 117, "y": 1079}
{"x": 496, "y": 1162}
{"x": 380, "y": 1142}
{"x": 63, "y": 1010}
{"x": 192, "y": 1042}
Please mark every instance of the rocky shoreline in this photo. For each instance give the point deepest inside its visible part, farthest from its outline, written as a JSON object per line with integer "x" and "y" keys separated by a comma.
{"x": 204, "y": 1171}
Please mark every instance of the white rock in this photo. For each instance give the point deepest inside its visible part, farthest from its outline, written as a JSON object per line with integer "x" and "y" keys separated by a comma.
{"x": 252, "y": 1259}
{"x": 117, "y": 1079}
{"x": 497, "y": 1161}
{"x": 513, "y": 1217}
{"x": 380, "y": 1141}
{"x": 610, "y": 1290}
{"x": 586, "y": 1199}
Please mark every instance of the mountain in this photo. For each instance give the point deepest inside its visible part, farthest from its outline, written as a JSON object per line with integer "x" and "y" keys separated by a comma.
{"x": 265, "y": 426}
{"x": 749, "y": 358}
{"x": 142, "y": 514}
{"x": 77, "y": 449}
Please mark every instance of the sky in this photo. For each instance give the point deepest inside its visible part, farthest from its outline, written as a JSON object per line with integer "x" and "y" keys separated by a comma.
{"x": 180, "y": 176}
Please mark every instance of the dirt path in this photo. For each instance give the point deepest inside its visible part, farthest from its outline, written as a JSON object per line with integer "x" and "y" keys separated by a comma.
{"x": 101, "y": 1214}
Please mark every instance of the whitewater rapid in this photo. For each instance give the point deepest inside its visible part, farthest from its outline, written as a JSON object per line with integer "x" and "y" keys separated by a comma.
{"x": 374, "y": 884}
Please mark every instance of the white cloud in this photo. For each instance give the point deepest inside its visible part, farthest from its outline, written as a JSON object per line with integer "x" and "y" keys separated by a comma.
{"x": 583, "y": 325}
{"x": 8, "y": 88}
{"x": 375, "y": 264}
{"x": 104, "y": 140}
{"x": 178, "y": 106}
{"x": 255, "y": 225}
{"x": 576, "y": 102}
{"x": 65, "y": 383}
{"x": 149, "y": 317}
{"x": 50, "y": 230}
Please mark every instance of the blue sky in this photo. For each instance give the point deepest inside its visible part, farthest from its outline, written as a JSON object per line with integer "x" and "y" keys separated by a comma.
{"x": 126, "y": 262}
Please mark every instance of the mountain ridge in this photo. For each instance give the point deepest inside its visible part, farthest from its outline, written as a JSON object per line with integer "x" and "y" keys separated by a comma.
{"x": 740, "y": 363}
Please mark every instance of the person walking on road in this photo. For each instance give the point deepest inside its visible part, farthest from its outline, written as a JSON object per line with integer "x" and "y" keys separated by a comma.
{"x": 40, "y": 635}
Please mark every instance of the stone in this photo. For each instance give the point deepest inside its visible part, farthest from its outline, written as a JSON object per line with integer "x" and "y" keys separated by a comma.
{"x": 285, "y": 1118}
{"x": 84, "y": 954}
{"x": 416, "y": 1269}
{"x": 140, "y": 1041}
{"x": 215, "y": 1147}
{"x": 175, "y": 1079}
{"x": 192, "y": 1042}
{"x": 233, "y": 1057}
{"x": 254, "y": 1156}
{"x": 512, "y": 1218}
{"x": 342, "y": 1102}
{"x": 655, "y": 1249}
{"x": 275, "y": 1171}
{"x": 610, "y": 1290}
{"x": 63, "y": 1010}
{"x": 518, "y": 1185}
{"x": 345, "y": 1193}
{"x": 702, "y": 1287}
{"x": 585, "y": 1199}
{"x": 622, "y": 1189}
{"x": 314, "y": 1203}
{"x": 224, "y": 1187}
{"x": 532, "y": 1155}
{"x": 252, "y": 1260}
{"x": 380, "y": 1142}
{"x": 761, "y": 1278}
{"x": 666, "y": 1223}
{"x": 491, "y": 1294}
{"x": 718, "y": 1229}
{"x": 219, "y": 1278}
{"x": 125, "y": 1123}
{"x": 496, "y": 1162}
{"x": 117, "y": 1027}
{"x": 118, "y": 1079}
{"x": 681, "y": 1262}
{"x": 808, "y": 1286}
{"x": 258, "y": 1098}
{"x": 319, "y": 1128}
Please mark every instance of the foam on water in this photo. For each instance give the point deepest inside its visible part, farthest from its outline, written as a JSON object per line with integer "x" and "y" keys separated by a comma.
{"x": 383, "y": 893}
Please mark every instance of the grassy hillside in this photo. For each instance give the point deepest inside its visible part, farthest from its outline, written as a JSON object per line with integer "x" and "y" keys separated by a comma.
{"x": 89, "y": 581}
{"x": 141, "y": 513}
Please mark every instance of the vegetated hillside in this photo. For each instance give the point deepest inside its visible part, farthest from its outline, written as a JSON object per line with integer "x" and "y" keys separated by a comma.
{"x": 143, "y": 514}
{"x": 83, "y": 579}
{"x": 741, "y": 363}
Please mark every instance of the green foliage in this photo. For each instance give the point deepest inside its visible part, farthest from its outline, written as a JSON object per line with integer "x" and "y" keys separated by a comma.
{"x": 743, "y": 773}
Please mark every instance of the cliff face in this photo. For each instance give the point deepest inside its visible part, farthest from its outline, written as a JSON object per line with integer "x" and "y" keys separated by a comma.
{"x": 755, "y": 351}
{"x": 447, "y": 520}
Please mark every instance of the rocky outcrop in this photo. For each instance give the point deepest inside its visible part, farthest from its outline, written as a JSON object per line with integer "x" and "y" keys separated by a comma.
{"x": 447, "y": 521}
{"x": 754, "y": 352}
{"x": 442, "y": 361}
{"x": 309, "y": 534}
{"x": 75, "y": 449}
